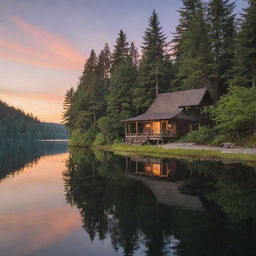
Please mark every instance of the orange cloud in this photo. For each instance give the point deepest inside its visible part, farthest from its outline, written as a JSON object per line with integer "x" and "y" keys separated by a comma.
{"x": 44, "y": 50}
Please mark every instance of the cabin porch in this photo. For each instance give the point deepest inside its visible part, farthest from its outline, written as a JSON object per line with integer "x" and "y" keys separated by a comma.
{"x": 139, "y": 132}
{"x": 150, "y": 130}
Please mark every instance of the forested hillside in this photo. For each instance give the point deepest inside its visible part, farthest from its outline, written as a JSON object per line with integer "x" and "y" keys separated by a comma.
{"x": 15, "y": 124}
{"x": 212, "y": 47}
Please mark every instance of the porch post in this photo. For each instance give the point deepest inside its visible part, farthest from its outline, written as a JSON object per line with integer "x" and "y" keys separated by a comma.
{"x": 161, "y": 128}
{"x": 125, "y": 128}
{"x": 136, "y": 128}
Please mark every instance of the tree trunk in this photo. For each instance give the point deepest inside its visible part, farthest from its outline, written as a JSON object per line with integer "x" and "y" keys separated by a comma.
{"x": 94, "y": 119}
{"x": 237, "y": 135}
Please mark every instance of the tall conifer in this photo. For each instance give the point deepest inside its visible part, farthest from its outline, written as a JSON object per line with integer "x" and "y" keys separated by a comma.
{"x": 195, "y": 61}
{"x": 151, "y": 76}
{"x": 187, "y": 12}
{"x": 86, "y": 95}
{"x": 122, "y": 82}
{"x": 245, "y": 60}
{"x": 121, "y": 50}
{"x": 68, "y": 115}
{"x": 222, "y": 32}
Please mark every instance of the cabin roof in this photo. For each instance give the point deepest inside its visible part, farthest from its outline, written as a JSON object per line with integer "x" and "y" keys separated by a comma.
{"x": 168, "y": 105}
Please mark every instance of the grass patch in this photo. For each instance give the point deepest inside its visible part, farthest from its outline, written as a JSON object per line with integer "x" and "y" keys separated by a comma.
{"x": 155, "y": 151}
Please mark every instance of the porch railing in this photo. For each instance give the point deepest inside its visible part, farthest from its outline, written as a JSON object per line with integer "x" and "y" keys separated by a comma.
{"x": 150, "y": 133}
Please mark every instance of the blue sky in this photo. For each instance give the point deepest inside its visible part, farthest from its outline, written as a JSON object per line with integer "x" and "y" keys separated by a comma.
{"x": 45, "y": 43}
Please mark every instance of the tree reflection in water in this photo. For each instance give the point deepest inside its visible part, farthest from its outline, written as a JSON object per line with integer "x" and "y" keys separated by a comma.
{"x": 114, "y": 206}
{"x": 15, "y": 156}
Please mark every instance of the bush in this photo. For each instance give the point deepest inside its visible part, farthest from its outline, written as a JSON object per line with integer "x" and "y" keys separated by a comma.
{"x": 219, "y": 139}
{"x": 201, "y": 136}
{"x": 82, "y": 138}
{"x": 235, "y": 112}
{"x": 118, "y": 140}
{"x": 100, "y": 140}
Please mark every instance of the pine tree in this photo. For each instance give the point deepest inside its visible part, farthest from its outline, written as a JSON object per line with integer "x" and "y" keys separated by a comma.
{"x": 245, "y": 57}
{"x": 121, "y": 50}
{"x": 104, "y": 62}
{"x": 151, "y": 76}
{"x": 119, "y": 98}
{"x": 103, "y": 73}
{"x": 187, "y": 11}
{"x": 222, "y": 31}
{"x": 134, "y": 54}
{"x": 68, "y": 115}
{"x": 85, "y": 96}
{"x": 195, "y": 68}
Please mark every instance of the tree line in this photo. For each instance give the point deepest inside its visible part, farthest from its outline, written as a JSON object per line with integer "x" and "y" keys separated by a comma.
{"x": 15, "y": 124}
{"x": 211, "y": 47}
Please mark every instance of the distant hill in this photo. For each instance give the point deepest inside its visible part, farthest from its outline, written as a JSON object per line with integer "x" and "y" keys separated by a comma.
{"x": 15, "y": 124}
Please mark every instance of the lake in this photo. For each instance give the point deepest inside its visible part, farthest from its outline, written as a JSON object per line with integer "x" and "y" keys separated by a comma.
{"x": 83, "y": 202}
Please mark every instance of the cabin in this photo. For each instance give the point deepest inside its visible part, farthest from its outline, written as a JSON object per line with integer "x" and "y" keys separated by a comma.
{"x": 171, "y": 116}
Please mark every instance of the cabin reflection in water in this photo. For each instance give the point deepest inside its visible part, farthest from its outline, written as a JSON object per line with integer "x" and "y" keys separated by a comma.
{"x": 152, "y": 166}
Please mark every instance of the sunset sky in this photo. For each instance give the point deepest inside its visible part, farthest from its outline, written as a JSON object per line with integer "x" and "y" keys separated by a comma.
{"x": 44, "y": 44}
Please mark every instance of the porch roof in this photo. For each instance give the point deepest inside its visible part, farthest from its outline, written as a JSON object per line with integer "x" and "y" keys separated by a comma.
{"x": 154, "y": 116}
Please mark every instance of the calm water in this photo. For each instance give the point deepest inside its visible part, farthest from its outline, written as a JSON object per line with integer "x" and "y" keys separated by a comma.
{"x": 95, "y": 203}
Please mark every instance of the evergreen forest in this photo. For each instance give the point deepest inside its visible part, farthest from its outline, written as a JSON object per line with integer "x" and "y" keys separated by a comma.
{"x": 15, "y": 124}
{"x": 212, "y": 47}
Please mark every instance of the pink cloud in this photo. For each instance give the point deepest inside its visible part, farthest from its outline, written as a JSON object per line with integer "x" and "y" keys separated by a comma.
{"x": 44, "y": 50}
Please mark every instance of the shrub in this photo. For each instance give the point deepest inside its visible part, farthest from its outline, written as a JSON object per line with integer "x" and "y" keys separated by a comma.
{"x": 200, "y": 136}
{"x": 82, "y": 138}
{"x": 118, "y": 140}
{"x": 219, "y": 139}
{"x": 235, "y": 112}
{"x": 100, "y": 140}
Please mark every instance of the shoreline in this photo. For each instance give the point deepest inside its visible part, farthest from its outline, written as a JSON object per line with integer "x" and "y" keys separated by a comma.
{"x": 176, "y": 152}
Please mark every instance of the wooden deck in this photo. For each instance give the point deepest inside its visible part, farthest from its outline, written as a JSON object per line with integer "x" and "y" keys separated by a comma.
{"x": 144, "y": 137}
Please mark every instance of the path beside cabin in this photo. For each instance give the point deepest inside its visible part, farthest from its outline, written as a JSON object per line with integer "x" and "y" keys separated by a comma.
{"x": 202, "y": 147}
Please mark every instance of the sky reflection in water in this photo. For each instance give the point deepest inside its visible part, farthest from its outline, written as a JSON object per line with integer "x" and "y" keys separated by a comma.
{"x": 83, "y": 203}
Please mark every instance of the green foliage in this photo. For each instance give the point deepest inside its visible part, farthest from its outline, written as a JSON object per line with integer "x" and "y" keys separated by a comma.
{"x": 187, "y": 11}
{"x": 89, "y": 100}
{"x": 200, "y": 136}
{"x": 195, "y": 69}
{"x": 235, "y": 113}
{"x": 119, "y": 99}
{"x": 114, "y": 87}
{"x": 82, "y": 138}
{"x": 15, "y": 124}
{"x": 100, "y": 139}
{"x": 221, "y": 32}
{"x": 118, "y": 140}
{"x": 121, "y": 50}
{"x": 68, "y": 115}
{"x": 220, "y": 138}
{"x": 155, "y": 67}
{"x": 245, "y": 61}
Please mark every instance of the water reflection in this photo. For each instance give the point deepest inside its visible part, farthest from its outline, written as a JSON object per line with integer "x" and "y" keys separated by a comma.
{"x": 113, "y": 205}
{"x": 16, "y": 156}
{"x": 152, "y": 166}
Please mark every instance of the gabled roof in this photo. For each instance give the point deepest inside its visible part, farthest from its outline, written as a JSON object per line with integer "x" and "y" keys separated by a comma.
{"x": 168, "y": 105}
